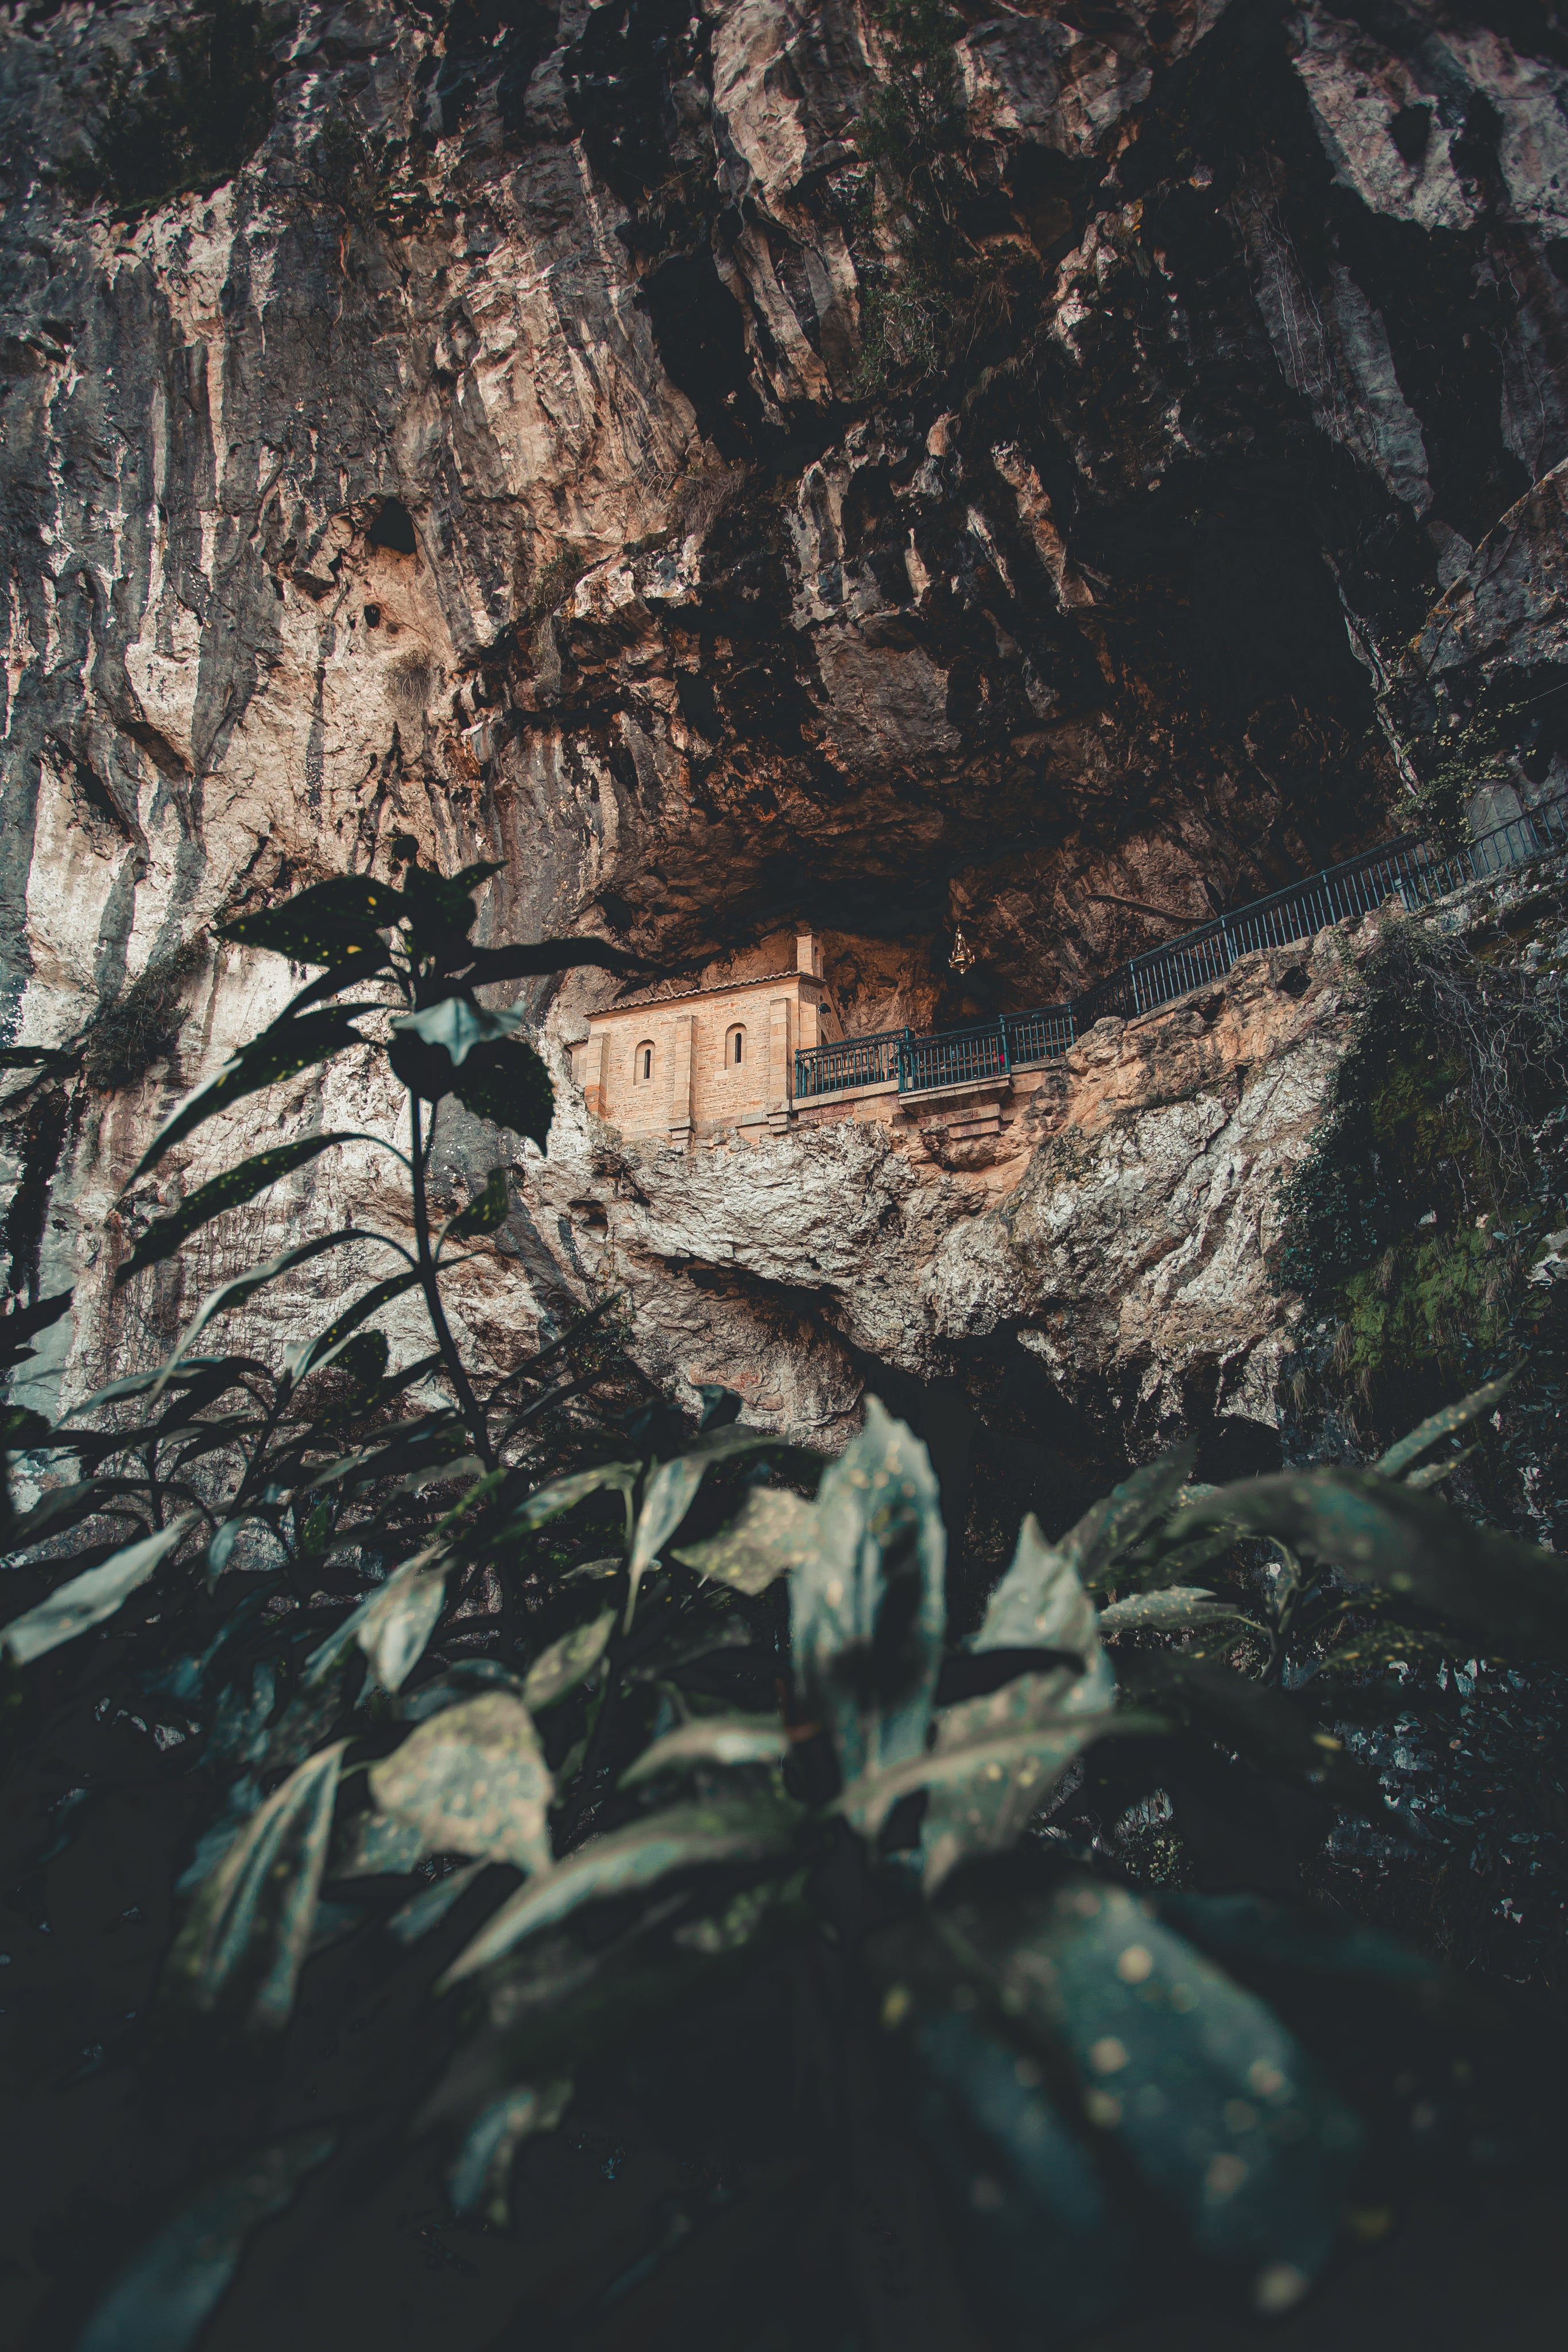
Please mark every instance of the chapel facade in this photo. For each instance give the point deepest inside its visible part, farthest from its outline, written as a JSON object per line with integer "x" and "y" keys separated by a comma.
{"x": 684, "y": 1066}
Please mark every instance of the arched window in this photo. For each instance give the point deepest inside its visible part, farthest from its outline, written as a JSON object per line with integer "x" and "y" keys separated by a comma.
{"x": 642, "y": 1064}
{"x": 734, "y": 1047}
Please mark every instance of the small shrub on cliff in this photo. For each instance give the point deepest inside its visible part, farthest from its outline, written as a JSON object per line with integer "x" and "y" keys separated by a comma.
{"x": 188, "y": 117}
{"x": 702, "y": 495}
{"x": 653, "y": 1805}
{"x": 1460, "y": 763}
{"x": 140, "y": 1026}
{"x": 553, "y": 583}
{"x": 1413, "y": 1223}
{"x": 941, "y": 289}
{"x": 1413, "y": 1230}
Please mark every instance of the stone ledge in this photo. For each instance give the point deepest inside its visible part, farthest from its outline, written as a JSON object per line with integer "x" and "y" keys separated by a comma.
{"x": 968, "y": 1090}
{"x": 805, "y": 1106}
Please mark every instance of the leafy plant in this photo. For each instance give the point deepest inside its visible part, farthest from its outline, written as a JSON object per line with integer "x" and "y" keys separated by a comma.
{"x": 1473, "y": 752}
{"x": 554, "y": 582}
{"x": 655, "y": 1786}
{"x": 1412, "y": 1230}
{"x": 1062, "y": 2052}
{"x": 1412, "y": 1225}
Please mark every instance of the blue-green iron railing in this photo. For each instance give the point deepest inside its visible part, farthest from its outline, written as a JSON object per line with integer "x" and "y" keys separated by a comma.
{"x": 855, "y": 1062}
{"x": 1409, "y": 870}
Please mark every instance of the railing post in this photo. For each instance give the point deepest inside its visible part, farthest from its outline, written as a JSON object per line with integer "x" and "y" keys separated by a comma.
{"x": 1006, "y": 1056}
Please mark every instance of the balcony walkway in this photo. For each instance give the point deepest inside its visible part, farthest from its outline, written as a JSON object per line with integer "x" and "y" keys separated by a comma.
{"x": 1406, "y": 868}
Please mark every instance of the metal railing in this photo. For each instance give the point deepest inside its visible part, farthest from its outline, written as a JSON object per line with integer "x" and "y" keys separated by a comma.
{"x": 953, "y": 1057}
{"x": 1036, "y": 1037}
{"x": 1414, "y": 871}
{"x": 852, "y": 1062}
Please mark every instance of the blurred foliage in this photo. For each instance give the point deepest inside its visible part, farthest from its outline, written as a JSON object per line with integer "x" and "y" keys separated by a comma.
{"x": 549, "y": 1779}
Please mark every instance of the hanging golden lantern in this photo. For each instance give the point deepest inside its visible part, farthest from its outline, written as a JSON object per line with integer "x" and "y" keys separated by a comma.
{"x": 963, "y": 954}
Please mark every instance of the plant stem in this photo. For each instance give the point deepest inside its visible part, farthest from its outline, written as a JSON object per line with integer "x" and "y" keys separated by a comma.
{"x": 467, "y": 1403}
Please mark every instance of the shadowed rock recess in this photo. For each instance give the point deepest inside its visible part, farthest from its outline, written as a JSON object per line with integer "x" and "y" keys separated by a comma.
{"x": 515, "y": 440}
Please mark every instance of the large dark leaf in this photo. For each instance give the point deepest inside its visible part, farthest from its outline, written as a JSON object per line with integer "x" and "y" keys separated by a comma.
{"x": 165, "y": 2295}
{"x": 1198, "y": 2082}
{"x": 1110, "y": 1527}
{"x": 425, "y": 1070}
{"x": 442, "y": 909}
{"x": 391, "y": 1625}
{"x": 771, "y": 1535}
{"x": 1041, "y": 1603}
{"x": 89, "y": 1599}
{"x": 999, "y": 1755}
{"x": 374, "y": 1846}
{"x": 672, "y": 1489}
{"x": 563, "y": 1494}
{"x": 566, "y": 1662}
{"x": 506, "y": 1082}
{"x": 685, "y": 1644}
{"x": 530, "y": 959}
{"x": 457, "y": 1025}
{"x": 1383, "y": 1536}
{"x": 22, "y": 1429}
{"x": 318, "y": 925}
{"x": 352, "y": 966}
{"x": 712, "y": 1739}
{"x": 427, "y": 1909}
{"x": 229, "y": 1190}
{"x": 1243, "y": 1929}
{"x": 1438, "y": 1425}
{"x": 1176, "y": 1610}
{"x": 245, "y": 1285}
{"x": 305, "y": 1354}
{"x": 40, "y": 1057}
{"x": 59, "y": 1508}
{"x": 252, "y": 1922}
{"x": 626, "y": 1861}
{"x": 24, "y": 1323}
{"x": 1034, "y": 2215}
{"x": 996, "y": 1761}
{"x": 280, "y": 1051}
{"x": 482, "y": 2165}
{"x": 1274, "y": 1730}
{"x": 488, "y": 1214}
{"x": 866, "y": 1608}
{"x": 473, "y": 1780}
{"x": 429, "y": 1047}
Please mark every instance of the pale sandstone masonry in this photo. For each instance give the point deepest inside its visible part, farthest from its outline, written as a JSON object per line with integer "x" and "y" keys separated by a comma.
{"x": 721, "y": 1060}
{"x": 711, "y": 1060}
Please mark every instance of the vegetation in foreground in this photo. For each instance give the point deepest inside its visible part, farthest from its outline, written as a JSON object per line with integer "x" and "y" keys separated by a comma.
{"x": 535, "y": 1780}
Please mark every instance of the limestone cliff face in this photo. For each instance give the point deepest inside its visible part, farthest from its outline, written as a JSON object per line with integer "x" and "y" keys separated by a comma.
{"x": 1107, "y": 1268}
{"x": 494, "y": 456}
